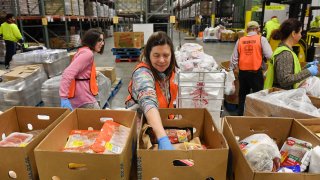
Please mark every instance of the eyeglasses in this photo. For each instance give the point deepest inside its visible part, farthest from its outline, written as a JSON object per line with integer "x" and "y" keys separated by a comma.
{"x": 100, "y": 40}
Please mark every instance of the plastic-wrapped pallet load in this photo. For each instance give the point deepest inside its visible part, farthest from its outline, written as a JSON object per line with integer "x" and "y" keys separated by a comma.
{"x": 23, "y": 91}
{"x": 75, "y": 40}
{"x": 53, "y": 60}
{"x": 33, "y": 7}
{"x": 81, "y": 7}
{"x": 2, "y": 51}
{"x": 23, "y": 8}
{"x": 75, "y": 7}
{"x": 50, "y": 91}
{"x": 6, "y": 6}
{"x": 128, "y": 6}
{"x": 106, "y": 10}
{"x": 56, "y": 7}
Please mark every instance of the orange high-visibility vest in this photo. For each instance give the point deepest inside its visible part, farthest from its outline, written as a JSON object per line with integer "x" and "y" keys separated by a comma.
{"x": 92, "y": 81}
{"x": 250, "y": 53}
{"x": 163, "y": 103}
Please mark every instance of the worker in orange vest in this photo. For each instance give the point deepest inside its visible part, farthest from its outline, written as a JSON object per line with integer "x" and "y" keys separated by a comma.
{"x": 248, "y": 58}
{"x": 152, "y": 84}
{"x": 78, "y": 86}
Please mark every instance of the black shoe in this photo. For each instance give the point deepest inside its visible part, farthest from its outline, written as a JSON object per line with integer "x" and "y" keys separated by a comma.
{"x": 7, "y": 66}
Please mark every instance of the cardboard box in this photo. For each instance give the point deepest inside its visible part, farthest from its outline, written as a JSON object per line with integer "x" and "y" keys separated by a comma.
{"x": 71, "y": 55}
{"x": 207, "y": 163}
{"x": 258, "y": 107}
{"x": 20, "y": 72}
{"x": 279, "y": 129}
{"x": 128, "y": 39}
{"x": 109, "y": 72}
{"x": 21, "y": 160}
{"x": 312, "y": 124}
{"x": 97, "y": 166}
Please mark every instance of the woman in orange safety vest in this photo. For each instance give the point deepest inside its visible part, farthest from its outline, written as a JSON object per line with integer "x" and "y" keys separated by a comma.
{"x": 152, "y": 85}
{"x": 78, "y": 86}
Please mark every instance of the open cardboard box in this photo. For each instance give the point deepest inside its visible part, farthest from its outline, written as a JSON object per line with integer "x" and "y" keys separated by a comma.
{"x": 260, "y": 108}
{"x": 279, "y": 129}
{"x": 52, "y": 162}
{"x": 20, "y": 161}
{"x": 312, "y": 124}
{"x": 211, "y": 162}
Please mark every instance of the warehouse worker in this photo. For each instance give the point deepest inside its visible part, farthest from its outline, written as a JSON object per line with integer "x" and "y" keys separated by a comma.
{"x": 152, "y": 85}
{"x": 11, "y": 35}
{"x": 316, "y": 22}
{"x": 78, "y": 86}
{"x": 284, "y": 69}
{"x": 248, "y": 57}
{"x": 271, "y": 25}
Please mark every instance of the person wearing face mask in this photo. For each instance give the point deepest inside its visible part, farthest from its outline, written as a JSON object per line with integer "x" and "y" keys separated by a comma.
{"x": 152, "y": 84}
{"x": 11, "y": 35}
{"x": 284, "y": 70}
{"x": 78, "y": 86}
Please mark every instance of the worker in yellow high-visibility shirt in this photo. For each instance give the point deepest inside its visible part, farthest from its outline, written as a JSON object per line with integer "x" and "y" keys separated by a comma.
{"x": 271, "y": 25}
{"x": 316, "y": 22}
{"x": 11, "y": 35}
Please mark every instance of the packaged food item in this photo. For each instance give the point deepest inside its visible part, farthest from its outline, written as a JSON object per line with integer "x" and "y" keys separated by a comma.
{"x": 295, "y": 152}
{"x": 290, "y": 169}
{"x": 193, "y": 146}
{"x": 81, "y": 140}
{"x": 111, "y": 139}
{"x": 176, "y": 135}
{"x": 16, "y": 139}
{"x": 261, "y": 152}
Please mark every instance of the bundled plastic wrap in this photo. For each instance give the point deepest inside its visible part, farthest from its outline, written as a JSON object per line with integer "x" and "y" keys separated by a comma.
{"x": 261, "y": 152}
{"x": 50, "y": 91}
{"x": 22, "y": 92}
{"x": 54, "y": 60}
{"x": 295, "y": 99}
{"x": 312, "y": 86}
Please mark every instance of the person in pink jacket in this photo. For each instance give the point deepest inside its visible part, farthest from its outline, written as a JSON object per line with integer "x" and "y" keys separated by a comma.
{"x": 78, "y": 85}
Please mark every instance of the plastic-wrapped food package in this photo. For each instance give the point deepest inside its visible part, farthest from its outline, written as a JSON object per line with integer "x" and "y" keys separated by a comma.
{"x": 54, "y": 60}
{"x": 16, "y": 139}
{"x": 312, "y": 86}
{"x": 81, "y": 140}
{"x": 261, "y": 152}
{"x": 295, "y": 152}
{"x": 229, "y": 84}
{"x": 22, "y": 92}
{"x": 104, "y": 85}
{"x": 315, "y": 160}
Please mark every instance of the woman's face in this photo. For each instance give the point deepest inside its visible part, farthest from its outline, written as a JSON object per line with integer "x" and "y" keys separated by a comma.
{"x": 297, "y": 36}
{"x": 160, "y": 57}
{"x": 99, "y": 44}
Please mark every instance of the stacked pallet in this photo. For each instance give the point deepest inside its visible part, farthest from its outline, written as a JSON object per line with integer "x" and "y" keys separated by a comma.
{"x": 33, "y": 7}
{"x": 56, "y": 7}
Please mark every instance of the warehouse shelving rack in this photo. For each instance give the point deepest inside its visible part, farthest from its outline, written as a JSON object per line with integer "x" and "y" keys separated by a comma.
{"x": 38, "y": 27}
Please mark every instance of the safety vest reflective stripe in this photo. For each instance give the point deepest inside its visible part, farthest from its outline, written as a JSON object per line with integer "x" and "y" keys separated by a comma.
{"x": 250, "y": 52}
{"x": 92, "y": 81}
{"x": 162, "y": 100}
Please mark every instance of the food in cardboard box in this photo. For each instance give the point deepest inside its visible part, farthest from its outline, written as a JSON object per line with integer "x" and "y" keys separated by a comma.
{"x": 111, "y": 139}
{"x": 176, "y": 135}
{"x": 261, "y": 152}
{"x": 193, "y": 146}
{"x": 16, "y": 139}
{"x": 81, "y": 140}
{"x": 295, "y": 152}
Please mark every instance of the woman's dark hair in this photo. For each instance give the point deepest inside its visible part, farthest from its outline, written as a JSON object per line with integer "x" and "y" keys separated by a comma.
{"x": 9, "y": 16}
{"x": 286, "y": 28}
{"x": 91, "y": 38}
{"x": 159, "y": 39}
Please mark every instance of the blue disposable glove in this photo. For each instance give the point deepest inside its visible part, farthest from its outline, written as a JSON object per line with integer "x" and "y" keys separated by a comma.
{"x": 65, "y": 103}
{"x": 313, "y": 70}
{"x": 165, "y": 144}
{"x": 314, "y": 62}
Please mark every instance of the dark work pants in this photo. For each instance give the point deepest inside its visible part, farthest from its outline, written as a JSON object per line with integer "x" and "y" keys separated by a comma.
{"x": 10, "y": 51}
{"x": 248, "y": 80}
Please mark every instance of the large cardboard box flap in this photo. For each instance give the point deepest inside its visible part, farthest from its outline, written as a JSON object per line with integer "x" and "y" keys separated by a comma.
{"x": 95, "y": 166}
{"x": 261, "y": 108}
{"x": 279, "y": 129}
{"x": 211, "y": 162}
{"x": 20, "y": 160}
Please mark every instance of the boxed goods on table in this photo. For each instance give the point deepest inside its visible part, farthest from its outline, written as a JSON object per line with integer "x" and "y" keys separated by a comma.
{"x": 202, "y": 164}
{"x": 128, "y": 39}
{"x": 228, "y": 35}
{"x": 81, "y": 165}
{"x": 276, "y": 102}
{"x": 285, "y": 133}
{"x": 54, "y": 61}
{"x": 23, "y": 91}
{"x": 22, "y": 129}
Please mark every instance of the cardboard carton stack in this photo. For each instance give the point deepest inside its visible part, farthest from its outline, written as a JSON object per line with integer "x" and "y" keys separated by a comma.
{"x": 6, "y": 6}
{"x": 57, "y": 7}
{"x": 19, "y": 162}
{"x": 97, "y": 166}
{"x": 129, "y": 6}
{"x": 81, "y": 8}
{"x": 228, "y": 35}
{"x": 54, "y": 61}
{"x": 33, "y": 6}
{"x": 128, "y": 39}
{"x": 22, "y": 86}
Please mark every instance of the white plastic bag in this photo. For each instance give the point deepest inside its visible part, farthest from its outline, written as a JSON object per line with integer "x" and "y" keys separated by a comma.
{"x": 315, "y": 160}
{"x": 230, "y": 88}
{"x": 312, "y": 85}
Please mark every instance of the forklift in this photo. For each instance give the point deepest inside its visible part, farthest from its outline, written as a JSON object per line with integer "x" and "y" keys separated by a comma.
{"x": 301, "y": 10}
